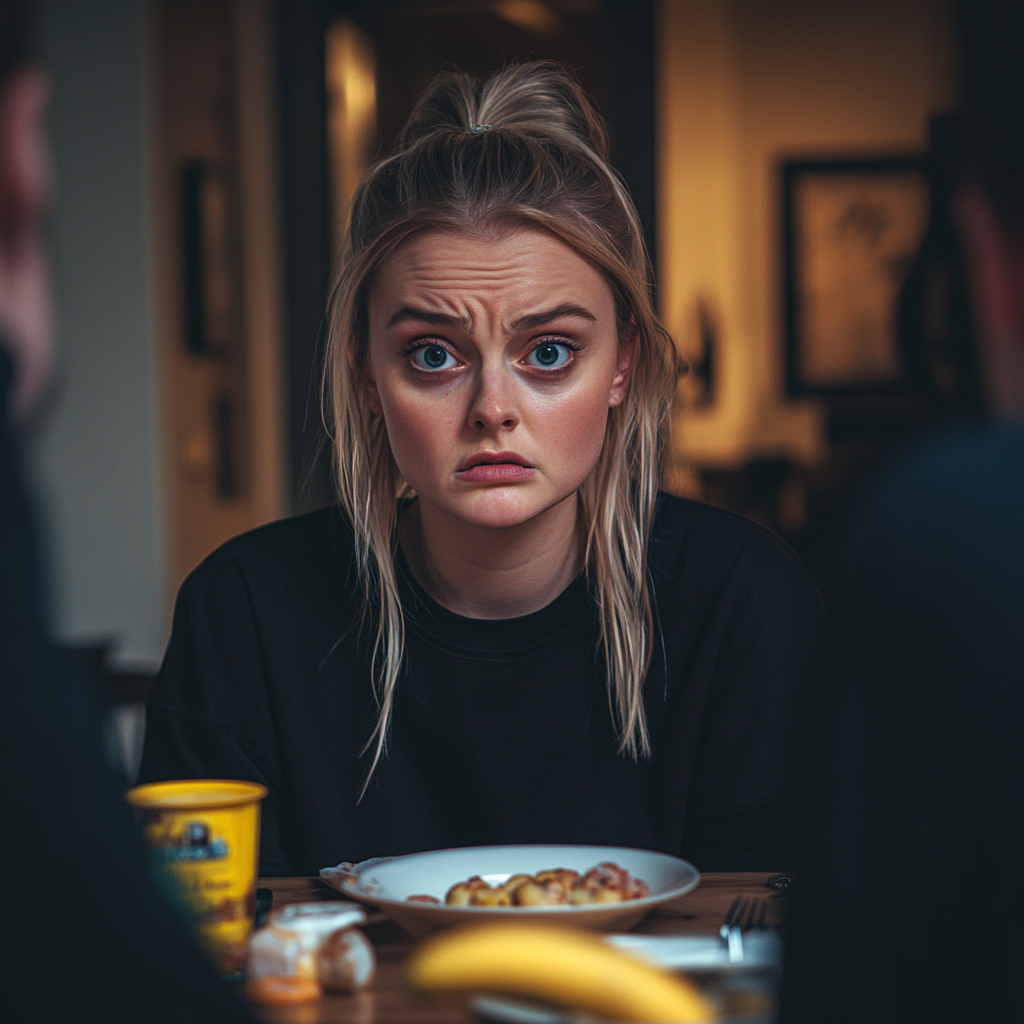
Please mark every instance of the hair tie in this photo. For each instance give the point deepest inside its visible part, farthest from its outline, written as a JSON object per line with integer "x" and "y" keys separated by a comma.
{"x": 477, "y": 129}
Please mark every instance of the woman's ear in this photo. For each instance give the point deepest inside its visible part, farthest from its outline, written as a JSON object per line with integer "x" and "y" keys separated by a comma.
{"x": 620, "y": 382}
{"x": 369, "y": 382}
{"x": 363, "y": 377}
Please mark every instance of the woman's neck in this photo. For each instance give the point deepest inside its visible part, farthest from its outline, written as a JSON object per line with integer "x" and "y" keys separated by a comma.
{"x": 492, "y": 574}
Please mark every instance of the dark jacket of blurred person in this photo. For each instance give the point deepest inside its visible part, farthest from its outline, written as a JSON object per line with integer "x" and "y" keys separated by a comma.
{"x": 910, "y": 901}
{"x": 84, "y": 933}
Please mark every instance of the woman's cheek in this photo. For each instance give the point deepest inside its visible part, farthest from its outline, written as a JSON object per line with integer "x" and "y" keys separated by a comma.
{"x": 420, "y": 434}
{"x": 573, "y": 432}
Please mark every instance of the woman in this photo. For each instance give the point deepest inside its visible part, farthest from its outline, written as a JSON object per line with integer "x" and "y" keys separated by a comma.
{"x": 502, "y": 633}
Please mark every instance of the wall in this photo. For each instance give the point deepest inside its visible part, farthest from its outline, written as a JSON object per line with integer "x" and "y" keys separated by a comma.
{"x": 214, "y": 87}
{"x": 98, "y": 462}
{"x": 743, "y": 85}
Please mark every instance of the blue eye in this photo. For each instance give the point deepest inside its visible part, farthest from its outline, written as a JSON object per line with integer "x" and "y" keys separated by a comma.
{"x": 433, "y": 357}
{"x": 551, "y": 355}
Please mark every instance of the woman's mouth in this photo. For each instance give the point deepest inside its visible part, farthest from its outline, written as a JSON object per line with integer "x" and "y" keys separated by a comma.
{"x": 494, "y": 467}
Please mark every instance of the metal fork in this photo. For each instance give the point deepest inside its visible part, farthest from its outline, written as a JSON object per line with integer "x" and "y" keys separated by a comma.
{"x": 748, "y": 913}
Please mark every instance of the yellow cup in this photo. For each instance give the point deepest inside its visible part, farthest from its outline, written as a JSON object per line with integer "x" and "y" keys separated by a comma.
{"x": 205, "y": 835}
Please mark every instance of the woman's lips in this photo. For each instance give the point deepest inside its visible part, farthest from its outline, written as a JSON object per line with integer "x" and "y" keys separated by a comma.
{"x": 495, "y": 472}
{"x": 494, "y": 467}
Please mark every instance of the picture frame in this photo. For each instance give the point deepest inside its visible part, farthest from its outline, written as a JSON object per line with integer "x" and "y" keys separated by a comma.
{"x": 852, "y": 229}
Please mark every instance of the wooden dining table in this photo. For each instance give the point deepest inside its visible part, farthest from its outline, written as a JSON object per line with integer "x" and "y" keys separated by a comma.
{"x": 388, "y": 1001}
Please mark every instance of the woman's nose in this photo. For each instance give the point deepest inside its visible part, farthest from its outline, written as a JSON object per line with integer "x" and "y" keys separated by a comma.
{"x": 494, "y": 408}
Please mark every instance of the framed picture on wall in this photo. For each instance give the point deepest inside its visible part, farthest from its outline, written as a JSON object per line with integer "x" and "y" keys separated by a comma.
{"x": 852, "y": 229}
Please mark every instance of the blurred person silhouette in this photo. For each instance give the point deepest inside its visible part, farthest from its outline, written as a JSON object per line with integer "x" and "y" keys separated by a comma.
{"x": 910, "y": 902}
{"x": 86, "y": 936}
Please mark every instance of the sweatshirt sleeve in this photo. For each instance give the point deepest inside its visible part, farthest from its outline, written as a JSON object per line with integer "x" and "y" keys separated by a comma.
{"x": 208, "y": 714}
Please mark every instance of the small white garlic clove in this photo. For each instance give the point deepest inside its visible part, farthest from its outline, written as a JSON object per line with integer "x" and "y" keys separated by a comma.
{"x": 346, "y": 961}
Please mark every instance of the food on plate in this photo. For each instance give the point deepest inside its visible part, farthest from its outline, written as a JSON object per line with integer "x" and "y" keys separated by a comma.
{"x": 541, "y": 894}
{"x": 569, "y": 968}
{"x": 606, "y": 883}
{"x": 465, "y": 894}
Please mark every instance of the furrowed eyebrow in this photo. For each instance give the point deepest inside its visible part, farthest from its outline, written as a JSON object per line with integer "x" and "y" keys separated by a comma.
{"x": 426, "y": 316}
{"x": 529, "y": 322}
{"x": 535, "y": 320}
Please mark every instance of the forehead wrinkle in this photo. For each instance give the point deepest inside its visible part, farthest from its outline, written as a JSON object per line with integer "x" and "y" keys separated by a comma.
{"x": 456, "y": 294}
{"x": 450, "y": 284}
{"x": 415, "y": 314}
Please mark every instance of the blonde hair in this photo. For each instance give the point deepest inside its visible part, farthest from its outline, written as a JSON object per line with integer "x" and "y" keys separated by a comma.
{"x": 541, "y": 160}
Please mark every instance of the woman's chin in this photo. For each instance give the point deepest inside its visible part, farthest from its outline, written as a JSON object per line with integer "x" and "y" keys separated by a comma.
{"x": 501, "y": 508}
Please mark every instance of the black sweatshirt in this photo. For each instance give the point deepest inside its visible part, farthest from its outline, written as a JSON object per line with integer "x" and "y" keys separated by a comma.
{"x": 502, "y": 731}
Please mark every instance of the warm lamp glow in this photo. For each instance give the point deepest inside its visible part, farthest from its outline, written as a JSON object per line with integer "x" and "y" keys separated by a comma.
{"x": 351, "y": 69}
{"x": 529, "y": 14}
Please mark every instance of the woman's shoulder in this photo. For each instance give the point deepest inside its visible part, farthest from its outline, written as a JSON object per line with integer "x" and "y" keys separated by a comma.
{"x": 678, "y": 521}
{"x": 297, "y": 550}
{"x": 691, "y": 538}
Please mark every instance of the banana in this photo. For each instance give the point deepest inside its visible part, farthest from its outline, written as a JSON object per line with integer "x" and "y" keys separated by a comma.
{"x": 569, "y": 968}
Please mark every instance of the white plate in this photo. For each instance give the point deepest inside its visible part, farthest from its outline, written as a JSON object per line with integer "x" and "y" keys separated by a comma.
{"x": 387, "y": 882}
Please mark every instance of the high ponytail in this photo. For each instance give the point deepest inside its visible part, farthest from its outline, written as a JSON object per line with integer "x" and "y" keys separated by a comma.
{"x": 540, "y": 98}
{"x": 525, "y": 146}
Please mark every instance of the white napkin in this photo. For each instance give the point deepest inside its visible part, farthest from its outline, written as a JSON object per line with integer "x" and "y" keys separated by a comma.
{"x": 700, "y": 952}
